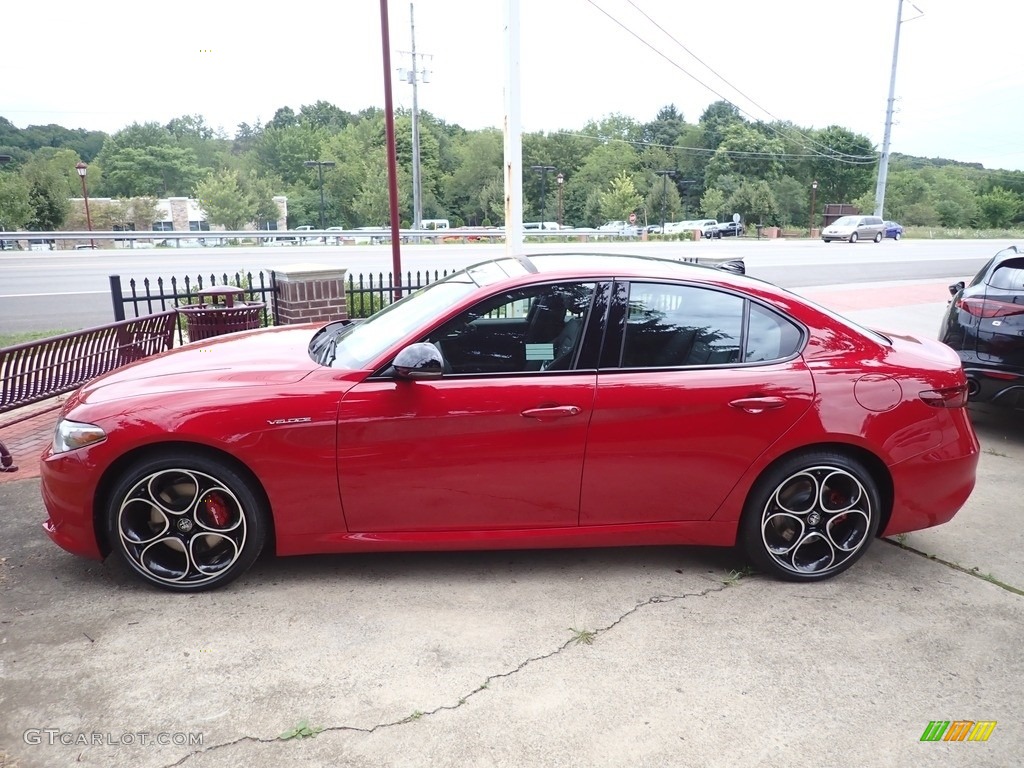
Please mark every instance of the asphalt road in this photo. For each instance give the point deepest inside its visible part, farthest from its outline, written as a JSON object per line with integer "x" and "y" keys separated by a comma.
{"x": 70, "y": 290}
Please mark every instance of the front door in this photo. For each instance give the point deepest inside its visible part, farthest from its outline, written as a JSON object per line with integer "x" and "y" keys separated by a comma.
{"x": 496, "y": 443}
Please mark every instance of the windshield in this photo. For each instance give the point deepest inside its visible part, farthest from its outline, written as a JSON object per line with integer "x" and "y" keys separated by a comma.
{"x": 846, "y": 221}
{"x": 358, "y": 344}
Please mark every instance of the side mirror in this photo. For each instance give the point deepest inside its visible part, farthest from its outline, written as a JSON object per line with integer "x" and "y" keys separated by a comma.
{"x": 956, "y": 288}
{"x": 419, "y": 361}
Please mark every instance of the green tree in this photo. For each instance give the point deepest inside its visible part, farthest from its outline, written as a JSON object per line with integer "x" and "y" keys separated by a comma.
{"x": 283, "y": 150}
{"x": 793, "y": 202}
{"x": 222, "y": 200}
{"x": 745, "y": 151}
{"x": 663, "y": 201}
{"x": 15, "y": 203}
{"x": 620, "y": 199}
{"x": 754, "y": 201}
{"x": 716, "y": 120}
{"x": 712, "y": 203}
{"x": 1001, "y": 207}
{"x": 49, "y": 190}
{"x": 844, "y": 164}
{"x": 479, "y": 163}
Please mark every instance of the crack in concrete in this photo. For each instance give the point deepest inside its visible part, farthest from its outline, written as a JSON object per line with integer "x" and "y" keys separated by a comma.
{"x": 418, "y": 715}
{"x": 975, "y": 571}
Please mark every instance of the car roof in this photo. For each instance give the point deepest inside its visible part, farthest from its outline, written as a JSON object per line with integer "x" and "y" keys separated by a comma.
{"x": 598, "y": 266}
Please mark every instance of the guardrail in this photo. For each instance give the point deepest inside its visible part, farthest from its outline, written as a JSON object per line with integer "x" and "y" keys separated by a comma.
{"x": 151, "y": 239}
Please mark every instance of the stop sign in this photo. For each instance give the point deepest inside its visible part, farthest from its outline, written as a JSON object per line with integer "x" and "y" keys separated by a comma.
{"x": 632, "y": 218}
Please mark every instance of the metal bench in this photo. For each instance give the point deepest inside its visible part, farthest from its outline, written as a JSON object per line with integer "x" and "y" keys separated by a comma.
{"x": 39, "y": 370}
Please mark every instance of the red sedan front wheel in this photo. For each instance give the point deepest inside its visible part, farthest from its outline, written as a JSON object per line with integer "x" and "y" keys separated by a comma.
{"x": 185, "y": 523}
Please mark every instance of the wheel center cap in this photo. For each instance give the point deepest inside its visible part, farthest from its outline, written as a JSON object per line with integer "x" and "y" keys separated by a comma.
{"x": 184, "y": 524}
{"x": 814, "y": 518}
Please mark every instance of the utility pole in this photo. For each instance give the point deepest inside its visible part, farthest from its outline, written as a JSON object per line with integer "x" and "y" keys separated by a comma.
{"x": 414, "y": 76}
{"x": 883, "y": 161}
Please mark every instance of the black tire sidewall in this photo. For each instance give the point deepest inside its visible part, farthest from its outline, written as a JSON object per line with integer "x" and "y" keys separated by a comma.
{"x": 253, "y": 508}
{"x": 749, "y": 536}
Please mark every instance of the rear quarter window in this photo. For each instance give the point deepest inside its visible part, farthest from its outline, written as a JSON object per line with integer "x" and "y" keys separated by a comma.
{"x": 770, "y": 336}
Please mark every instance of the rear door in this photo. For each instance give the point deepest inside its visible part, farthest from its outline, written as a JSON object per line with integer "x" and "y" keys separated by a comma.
{"x": 1001, "y": 315}
{"x": 694, "y": 384}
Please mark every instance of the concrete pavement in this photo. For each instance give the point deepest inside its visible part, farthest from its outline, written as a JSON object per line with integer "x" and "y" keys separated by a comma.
{"x": 632, "y": 657}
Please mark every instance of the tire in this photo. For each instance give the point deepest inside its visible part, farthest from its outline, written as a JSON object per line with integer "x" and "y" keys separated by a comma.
{"x": 878, "y": 237}
{"x": 853, "y": 238}
{"x": 185, "y": 523}
{"x": 897, "y": 236}
{"x": 810, "y": 517}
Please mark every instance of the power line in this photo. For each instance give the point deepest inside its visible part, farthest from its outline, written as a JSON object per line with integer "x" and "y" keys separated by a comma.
{"x": 834, "y": 154}
{"x": 801, "y": 134}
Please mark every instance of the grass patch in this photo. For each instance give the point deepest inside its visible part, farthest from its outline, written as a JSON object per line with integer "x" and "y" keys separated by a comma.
{"x": 582, "y": 636}
{"x": 10, "y": 339}
{"x": 301, "y": 731}
{"x": 735, "y": 576}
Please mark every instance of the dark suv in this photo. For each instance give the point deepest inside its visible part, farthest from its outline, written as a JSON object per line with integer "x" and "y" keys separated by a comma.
{"x": 984, "y": 323}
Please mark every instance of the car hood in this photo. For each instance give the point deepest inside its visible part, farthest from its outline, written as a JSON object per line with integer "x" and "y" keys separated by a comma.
{"x": 250, "y": 359}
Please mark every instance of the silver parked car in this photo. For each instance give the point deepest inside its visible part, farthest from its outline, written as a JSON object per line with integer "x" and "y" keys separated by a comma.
{"x": 854, "y": 228}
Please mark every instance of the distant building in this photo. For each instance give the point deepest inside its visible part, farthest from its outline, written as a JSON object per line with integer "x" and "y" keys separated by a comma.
{"x": 183, "y": 214}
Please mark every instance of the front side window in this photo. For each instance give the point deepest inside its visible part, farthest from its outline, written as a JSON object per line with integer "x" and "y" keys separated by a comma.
{"x": 539, "y": 328}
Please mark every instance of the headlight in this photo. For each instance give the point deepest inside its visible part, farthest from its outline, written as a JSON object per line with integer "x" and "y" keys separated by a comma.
{"x": 70, "y": 435}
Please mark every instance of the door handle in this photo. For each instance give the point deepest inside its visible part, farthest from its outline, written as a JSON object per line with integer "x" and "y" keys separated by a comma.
{"x": 758, "y": 404}
{"x": 551, "y": 413}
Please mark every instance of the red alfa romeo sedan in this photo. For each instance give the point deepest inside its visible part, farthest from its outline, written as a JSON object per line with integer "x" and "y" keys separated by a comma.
{"x": 550, "y": 401}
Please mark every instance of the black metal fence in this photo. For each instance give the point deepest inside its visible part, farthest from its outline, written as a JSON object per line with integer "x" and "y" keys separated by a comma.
{"x": 148, "y": 296}
{"x": 366, "y": 294}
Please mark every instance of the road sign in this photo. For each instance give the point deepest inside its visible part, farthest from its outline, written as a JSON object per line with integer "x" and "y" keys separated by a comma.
{"x": 632, "y": 218}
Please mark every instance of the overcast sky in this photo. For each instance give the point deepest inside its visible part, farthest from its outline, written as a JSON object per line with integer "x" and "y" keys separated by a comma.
{"x": 959, "y": 85}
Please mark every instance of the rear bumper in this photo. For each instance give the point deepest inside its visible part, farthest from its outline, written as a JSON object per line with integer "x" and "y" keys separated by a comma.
{"x": 998, "y": 387}
{"x": 930, "y": 488}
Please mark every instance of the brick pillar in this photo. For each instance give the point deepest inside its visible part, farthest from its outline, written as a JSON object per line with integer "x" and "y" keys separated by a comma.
{"x": 308, "y": 293}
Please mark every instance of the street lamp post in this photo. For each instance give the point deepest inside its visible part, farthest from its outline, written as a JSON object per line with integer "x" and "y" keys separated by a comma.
{"x": 664, "y": 194}
{"x": 320, "y": 165}
{"x": 83, "y": 169}
{"x": 814, "y": 190}
{"x": 543, "y": 171}
{"x": 560, "y": 178}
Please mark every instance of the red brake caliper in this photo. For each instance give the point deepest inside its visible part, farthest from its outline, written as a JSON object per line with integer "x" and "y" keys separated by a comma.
{"x": 216, "y": 510}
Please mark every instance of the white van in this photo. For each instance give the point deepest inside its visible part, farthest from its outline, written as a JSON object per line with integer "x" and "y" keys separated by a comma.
{"x": 435, "y": 224}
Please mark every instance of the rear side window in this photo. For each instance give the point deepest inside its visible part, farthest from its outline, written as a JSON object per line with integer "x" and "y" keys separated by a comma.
{"x": 669, "y": 326}
{"x": 1008, "y": 276}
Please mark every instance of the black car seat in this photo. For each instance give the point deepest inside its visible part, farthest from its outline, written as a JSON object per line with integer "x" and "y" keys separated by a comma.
{"x": 546, "y": 319}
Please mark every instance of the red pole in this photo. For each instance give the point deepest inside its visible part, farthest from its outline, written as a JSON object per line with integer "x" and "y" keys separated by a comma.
{"x": 389, "y": 122}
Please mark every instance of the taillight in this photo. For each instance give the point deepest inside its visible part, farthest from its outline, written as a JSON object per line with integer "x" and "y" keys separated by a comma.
{"x": 947, "y": 397}
{"x": 989, "y": 307}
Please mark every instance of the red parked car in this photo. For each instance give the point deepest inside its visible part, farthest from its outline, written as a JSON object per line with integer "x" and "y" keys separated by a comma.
{"x": 555, "y": 401}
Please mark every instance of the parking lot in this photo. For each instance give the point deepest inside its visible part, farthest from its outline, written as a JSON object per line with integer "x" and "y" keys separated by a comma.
{"x": 634, "y": 657}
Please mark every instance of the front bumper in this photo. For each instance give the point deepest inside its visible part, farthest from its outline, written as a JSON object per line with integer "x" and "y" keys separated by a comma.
{"x": 68, "y": 491}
